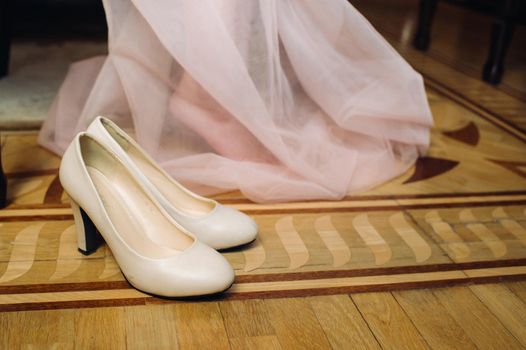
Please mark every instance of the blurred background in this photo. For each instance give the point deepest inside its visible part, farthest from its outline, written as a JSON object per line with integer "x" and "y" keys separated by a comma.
{"x": 44, "y": 37}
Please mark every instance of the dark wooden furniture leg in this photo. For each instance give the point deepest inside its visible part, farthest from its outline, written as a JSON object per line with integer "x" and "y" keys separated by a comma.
{"x": 425, "y": 18}
{"x": 5, "y": 36}
{"x": 3, "y": 183}
{"x": 501, "y": 35}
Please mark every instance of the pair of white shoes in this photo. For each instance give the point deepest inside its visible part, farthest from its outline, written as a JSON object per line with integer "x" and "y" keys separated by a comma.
{"x": 162, "y": 235}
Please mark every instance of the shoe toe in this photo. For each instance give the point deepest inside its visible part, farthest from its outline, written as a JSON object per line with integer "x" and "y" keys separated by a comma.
{"x": 228, "y": 228}
{"x": 244, "y": 231}
{"x": 214, "y": 276}
{"x": 206, "y": 271}
{"x": 199, "y": 270}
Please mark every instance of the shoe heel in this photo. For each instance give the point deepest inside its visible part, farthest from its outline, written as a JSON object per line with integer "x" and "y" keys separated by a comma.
{"x": 88, "y": 238}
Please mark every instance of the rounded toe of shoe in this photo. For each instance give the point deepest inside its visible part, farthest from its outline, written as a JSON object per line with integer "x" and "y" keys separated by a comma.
{"x": 218, "y": 278}
{"x": 233, "y": 229}
{"x": 246, "y": 231}
{"x": 200, "y": 270}
{"x": 208, "y": 272}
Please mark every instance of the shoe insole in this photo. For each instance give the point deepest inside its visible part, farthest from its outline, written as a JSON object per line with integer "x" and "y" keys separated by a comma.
{"x": 172, "y": 192}
{"x": 138, "y": 221}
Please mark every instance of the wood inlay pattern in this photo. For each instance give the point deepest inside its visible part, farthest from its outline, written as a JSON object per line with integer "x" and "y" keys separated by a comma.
{"x": 428, "y": 167}
{"x": 411, "y": 237}
{"x": 69, "y": 259}
{"x": 468, "y": 134}
{"x": 454, "y": 218}
{"x": 292, "y": 242}
{"x": 381, "y": 250}
{"x": 22, "y": 253}
{"x": 341, "y": 254}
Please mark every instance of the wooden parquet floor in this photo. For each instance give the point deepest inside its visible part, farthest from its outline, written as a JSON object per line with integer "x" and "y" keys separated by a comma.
{"x": 458, "y": 216}
{"x": 433, "y": 259}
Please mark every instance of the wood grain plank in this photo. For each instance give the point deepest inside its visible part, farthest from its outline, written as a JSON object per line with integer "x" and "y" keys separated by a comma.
{"x": 422, "y": 307}
{"x": 296, "y": 324}
{"x": 246, "y": 318}
{"x": 4, "y": 325}
{"x": 200, "y": 326}
{"x": 342, "y": 323}
{"x": 483, "y": 328}
{"x": 519, "y": 288}
{"x": 268, "y": 342}
{"x": 38, "y": 330}
{"x": 100, "y": 328}
{"x": 506, "y": 306}
{"x": 151, "y": 326}
{"x": 389, "y": 323}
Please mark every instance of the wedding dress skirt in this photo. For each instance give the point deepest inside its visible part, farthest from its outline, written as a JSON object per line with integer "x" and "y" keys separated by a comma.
{"x": 281, "y": 99}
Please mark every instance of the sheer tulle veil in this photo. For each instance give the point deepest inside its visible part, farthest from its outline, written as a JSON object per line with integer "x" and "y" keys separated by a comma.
{"x": 281, "y": 99}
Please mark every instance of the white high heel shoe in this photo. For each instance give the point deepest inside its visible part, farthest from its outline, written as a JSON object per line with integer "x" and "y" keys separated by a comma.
{"x": 218, "y": 226}
{"x": 154, "y": 252}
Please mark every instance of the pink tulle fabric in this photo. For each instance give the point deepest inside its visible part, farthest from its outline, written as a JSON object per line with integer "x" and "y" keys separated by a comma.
{"x": 281, "y": 99}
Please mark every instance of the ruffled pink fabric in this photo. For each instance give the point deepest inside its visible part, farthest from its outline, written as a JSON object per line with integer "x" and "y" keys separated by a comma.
{"x": 281, "y": 99}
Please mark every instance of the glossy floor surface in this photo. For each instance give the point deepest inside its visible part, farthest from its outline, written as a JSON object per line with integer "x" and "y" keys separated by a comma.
{"x": 433, "y": 259}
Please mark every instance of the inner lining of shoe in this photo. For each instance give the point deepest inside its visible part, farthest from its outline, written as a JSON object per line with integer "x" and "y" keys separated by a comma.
{"x": 134, "y": 215}
{"x": 169, "y": 188}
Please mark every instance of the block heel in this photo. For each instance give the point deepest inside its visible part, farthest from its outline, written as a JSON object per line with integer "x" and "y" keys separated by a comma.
{"x": 88, "y": 238}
